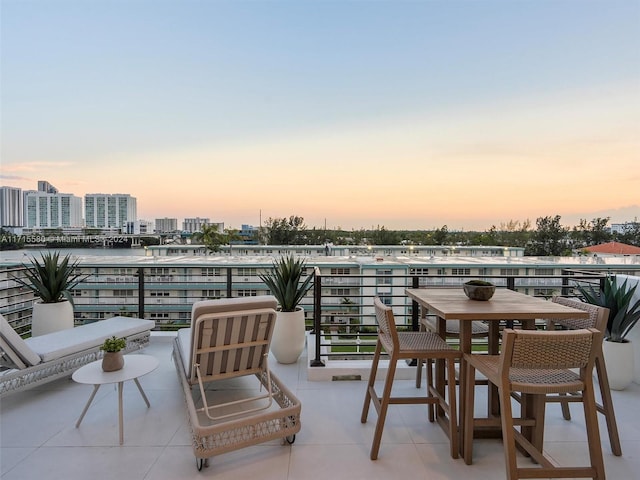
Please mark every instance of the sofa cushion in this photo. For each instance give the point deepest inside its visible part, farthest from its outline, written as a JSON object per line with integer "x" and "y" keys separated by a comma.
{"x": 65, "y": 342}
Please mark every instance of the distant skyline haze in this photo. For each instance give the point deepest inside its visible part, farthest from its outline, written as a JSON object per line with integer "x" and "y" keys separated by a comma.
{"x": 407, "y": 115}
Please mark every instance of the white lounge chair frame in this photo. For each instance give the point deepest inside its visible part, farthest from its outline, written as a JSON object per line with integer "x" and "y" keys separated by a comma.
{"x": 39, "y": 360}
{"x": 230, "y": 338}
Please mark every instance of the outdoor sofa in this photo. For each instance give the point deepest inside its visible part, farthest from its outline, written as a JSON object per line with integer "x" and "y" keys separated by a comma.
{"x": 26, "y": 363}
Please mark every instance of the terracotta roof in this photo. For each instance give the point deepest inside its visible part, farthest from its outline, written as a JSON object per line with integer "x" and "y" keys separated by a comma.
{"x": 614, "y": 248}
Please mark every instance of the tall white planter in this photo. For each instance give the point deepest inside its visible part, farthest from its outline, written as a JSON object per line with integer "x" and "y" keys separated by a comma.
{"x": 51, "y": 317}
{"x": 618, "y": 358}
{"x": 288, "y": 338}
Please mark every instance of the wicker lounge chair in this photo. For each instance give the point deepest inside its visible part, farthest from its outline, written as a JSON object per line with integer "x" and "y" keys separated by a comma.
{"x": 37, "y": 360}
{"x": 229, "y": 342}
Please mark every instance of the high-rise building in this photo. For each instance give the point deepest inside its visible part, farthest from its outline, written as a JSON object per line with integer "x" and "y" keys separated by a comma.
{"x": 109, "y": 210}
{"x": 166, "y": 225}
{"x": 52, "y": 210}
{"x": 11, "y": 207}
{"x": 193, "y": 225}
{"x": 46, "y": 187}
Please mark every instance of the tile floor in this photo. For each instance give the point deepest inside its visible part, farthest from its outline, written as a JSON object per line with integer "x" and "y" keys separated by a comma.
{"x": 39, "y": 441}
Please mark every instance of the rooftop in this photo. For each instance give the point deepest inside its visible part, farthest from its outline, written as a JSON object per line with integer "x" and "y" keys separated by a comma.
{"x": 614, "y": 248}
{"x": 38, "y": 438}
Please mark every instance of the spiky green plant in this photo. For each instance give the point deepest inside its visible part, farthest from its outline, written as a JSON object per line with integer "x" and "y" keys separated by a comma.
{"x": 113, "y": 344}
{"x": 623, "y": 315}
{"x": 51, "y": 279}
{"x": 284, "y": 282}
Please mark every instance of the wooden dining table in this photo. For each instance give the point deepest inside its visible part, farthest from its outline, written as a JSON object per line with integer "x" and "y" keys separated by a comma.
{"x": 505, "y": 305}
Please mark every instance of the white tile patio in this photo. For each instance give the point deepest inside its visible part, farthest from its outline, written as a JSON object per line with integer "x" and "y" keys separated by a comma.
{"x": 39, "y": 441}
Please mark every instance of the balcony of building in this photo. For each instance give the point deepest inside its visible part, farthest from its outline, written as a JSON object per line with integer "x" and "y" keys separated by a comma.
{"x": 38, "y": 437}
{"x": 39, "y": 440}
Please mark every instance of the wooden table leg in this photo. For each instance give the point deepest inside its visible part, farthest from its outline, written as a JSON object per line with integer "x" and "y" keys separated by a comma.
{"x": 465, "y": 347}
{"x": 441, "y": 327}
{"x": 493, "y": 403}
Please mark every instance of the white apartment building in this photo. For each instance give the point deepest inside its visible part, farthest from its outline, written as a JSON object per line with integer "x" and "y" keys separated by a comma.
{"x": 52, "y": 210}
{"x": 109, "y": 210}
{"x": 366, "y": 251}
{"x": 166, "y": 225}
{"x": 11, "y": 207}
{"x": 622, "y": 228}
{"x": 193, "y": 225}
{"x": 139, "y": 227}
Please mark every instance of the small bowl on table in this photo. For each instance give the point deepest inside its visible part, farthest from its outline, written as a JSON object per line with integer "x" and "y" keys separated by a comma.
{"x": 479, "y": 290}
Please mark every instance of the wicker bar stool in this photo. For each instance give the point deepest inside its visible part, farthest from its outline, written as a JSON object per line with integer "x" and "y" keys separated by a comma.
{"x": 598, "y": 317}
{"x": 478, "y": 330}
{"x": 409, "y": 345}
{"x": 536, "y": 364}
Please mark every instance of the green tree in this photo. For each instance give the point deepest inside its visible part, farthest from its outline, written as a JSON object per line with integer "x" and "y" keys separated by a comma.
{"x": 213, "y": 238}
{"x": 284, "y": 231}
{"x": 10, "y": 241}
{"x": 630, "y": 235}
{"x": 549, "y": 238}
{"x": 441, "y": 235}
{"x": 586, "y": 233}
{"x": 382, "y": 236}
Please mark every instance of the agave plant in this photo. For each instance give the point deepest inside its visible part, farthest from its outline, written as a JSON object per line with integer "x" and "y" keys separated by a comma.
{"x": 623, "y": 315}
{"x": 51, "y": 279}
{"x": 284, "y": 282}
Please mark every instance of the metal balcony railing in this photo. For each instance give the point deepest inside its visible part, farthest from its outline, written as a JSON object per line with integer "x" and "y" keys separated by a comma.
{"x": 344, "y": 325}
{"x": 338, "y": 310}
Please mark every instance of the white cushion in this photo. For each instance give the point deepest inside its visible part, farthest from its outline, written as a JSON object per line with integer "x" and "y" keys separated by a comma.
{"x": 17, "y": 344}
{"x": 72, "y": 340}
{"x": 184, "y": 348}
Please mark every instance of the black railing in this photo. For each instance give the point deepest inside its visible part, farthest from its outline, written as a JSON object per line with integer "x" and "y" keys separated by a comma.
{"x": 348, "y": 330}
{"x": 339, "y": 308}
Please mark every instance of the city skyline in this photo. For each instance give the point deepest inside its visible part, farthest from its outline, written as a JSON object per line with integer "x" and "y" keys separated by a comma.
{"x": 407, "y": 115}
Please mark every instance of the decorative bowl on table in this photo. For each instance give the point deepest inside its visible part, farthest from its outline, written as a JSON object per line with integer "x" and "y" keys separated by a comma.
{"x": 479, "y": 290}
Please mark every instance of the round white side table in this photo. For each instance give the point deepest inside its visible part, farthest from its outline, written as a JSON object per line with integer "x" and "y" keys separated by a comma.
{"x": 134, "y": 366}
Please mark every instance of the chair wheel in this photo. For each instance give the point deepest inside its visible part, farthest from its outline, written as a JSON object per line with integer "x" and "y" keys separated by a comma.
{"x": 290, "y": 439}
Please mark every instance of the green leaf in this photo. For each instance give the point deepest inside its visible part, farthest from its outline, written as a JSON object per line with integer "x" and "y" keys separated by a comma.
{"x": 50, "y": 278}
{"x": 285, "y": 284}
{"x": 623, "y": 315}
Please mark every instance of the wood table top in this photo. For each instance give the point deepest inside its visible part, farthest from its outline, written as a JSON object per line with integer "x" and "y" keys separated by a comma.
{"x": 453, "y": 304}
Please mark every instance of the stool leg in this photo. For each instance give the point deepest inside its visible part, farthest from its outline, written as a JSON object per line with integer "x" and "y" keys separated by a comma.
{"x": 508, "y": 434}
{"x": 371, "y": 383}
{"x": 566, "y": 413}
{"x": 384, "y": 404}
{"x": 593, "y": 432}
{"x": 607, "y": 406}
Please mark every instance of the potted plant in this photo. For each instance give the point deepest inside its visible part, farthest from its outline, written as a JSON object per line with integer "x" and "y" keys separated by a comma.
{"x": 623, "y": 316}
{"x": 113, "y": 358}
{"x": 286, "y": 284}
{"x": 51, "y": 280}
{"x": 479, "y": 290}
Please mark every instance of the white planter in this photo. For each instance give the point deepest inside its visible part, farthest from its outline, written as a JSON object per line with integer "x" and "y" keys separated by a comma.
{"x": 618, "y": 357}
{"x": 51, "y": 317}
{"x": 288, "y": 336}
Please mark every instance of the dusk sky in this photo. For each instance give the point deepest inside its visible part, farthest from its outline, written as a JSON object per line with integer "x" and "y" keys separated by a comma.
{"x": 355, "y": 113}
